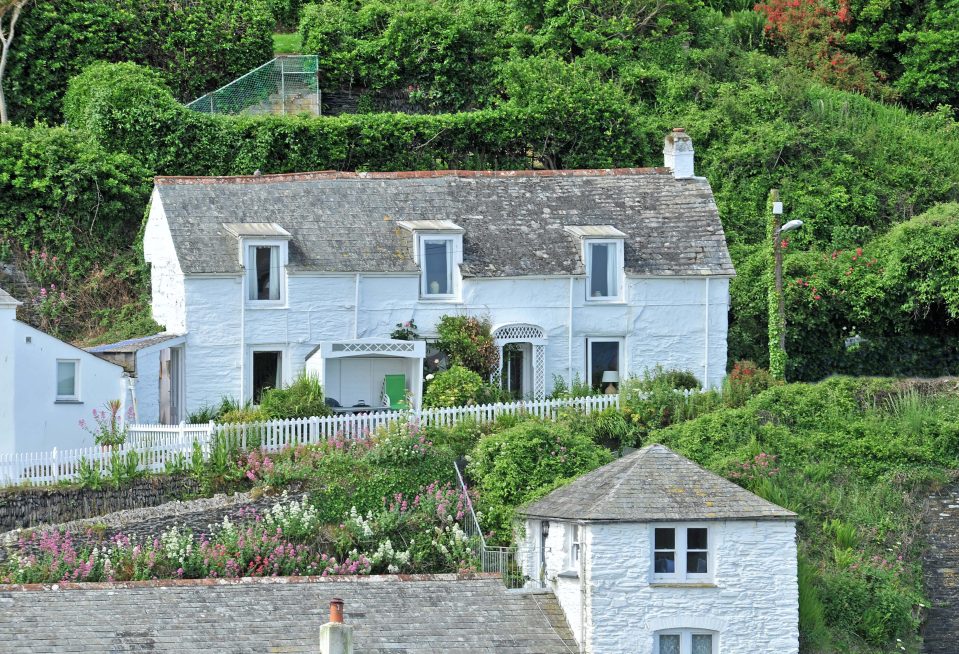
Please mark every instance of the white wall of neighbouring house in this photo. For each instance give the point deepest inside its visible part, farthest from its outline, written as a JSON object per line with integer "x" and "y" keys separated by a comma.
{"x": 166, "y": 278}
{"x": 7, "y": 376}
{"x": 662, "y": 322}
{"x": 34, "y": 419}
{"x": 752, "y": 602}
{"x": 560, "y": 574}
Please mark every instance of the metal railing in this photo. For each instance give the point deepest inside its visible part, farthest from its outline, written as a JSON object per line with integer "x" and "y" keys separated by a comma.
{"x": 501, "y": 560}
{"x": 284, "y": 85}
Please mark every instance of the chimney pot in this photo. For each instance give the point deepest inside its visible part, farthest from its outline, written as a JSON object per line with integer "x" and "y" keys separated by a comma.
{"x": 678, "y": 153}
{"x": 336, "y": 610}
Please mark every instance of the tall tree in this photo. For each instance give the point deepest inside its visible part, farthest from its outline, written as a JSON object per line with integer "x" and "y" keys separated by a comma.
{"x": 9, "y": 14}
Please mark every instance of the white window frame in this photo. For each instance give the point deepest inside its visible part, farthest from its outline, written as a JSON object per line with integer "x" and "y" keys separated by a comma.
{"x": 452, "y": 262}
{"x": 249, "y": 264}
{"x": 621, "y": 363}
{"x": 686, "y": 639}
{"x": 75, "y": 397}
{"x": 618, "y": 273}
{"x": 575, "y": 546}
{"x": 680, "y": 574}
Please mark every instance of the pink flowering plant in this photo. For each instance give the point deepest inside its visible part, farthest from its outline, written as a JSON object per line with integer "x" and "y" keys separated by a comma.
{"x": 751, "y": 472}
{"x": 109, "y": 427}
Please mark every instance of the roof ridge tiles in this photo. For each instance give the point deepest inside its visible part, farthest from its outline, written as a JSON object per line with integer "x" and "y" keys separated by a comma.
{"x": 322, "y": 175}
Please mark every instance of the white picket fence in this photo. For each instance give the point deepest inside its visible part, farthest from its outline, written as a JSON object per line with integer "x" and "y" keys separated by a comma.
{"x": 158, "y": 445}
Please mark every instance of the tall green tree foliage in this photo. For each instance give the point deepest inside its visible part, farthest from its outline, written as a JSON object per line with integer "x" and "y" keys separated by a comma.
{"x": 198, "y": 45}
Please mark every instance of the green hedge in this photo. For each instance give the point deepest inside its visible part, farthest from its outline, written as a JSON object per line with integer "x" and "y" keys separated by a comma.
{"x": 198, "y": 45}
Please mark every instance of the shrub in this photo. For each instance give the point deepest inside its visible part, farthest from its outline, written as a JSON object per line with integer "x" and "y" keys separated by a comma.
{"x": 459, "y": 438}
{"x": 468, "y": 342}
{"x": 576, "y": 388}
{"x": 242, "y": 415}
{"x": 511, "y": 465}
{"x": 745, "y": 380}
{"x": 301, "y": 399}
{"x": 457, "y": 386}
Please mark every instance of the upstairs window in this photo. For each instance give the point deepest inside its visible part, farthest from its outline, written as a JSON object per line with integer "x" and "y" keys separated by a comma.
{"x": 681, "y": 554}
{"x": 604, "y": 267}
{"x": 437, "y": 265}
{"x": 68, "y": 387}
{"x": 686, "y": 641}
{"x": 574, "y": 547}
{"x": 263, "y": 270}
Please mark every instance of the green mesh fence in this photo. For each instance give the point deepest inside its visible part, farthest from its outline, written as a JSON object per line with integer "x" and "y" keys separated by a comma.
{"x": 285, "y": 85}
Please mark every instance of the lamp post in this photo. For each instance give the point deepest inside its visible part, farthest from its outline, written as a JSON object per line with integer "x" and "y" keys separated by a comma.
{"x": 777, "y": 302}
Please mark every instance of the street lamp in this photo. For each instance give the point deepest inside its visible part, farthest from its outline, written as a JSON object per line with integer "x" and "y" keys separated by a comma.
{"x": 777, "y": 304}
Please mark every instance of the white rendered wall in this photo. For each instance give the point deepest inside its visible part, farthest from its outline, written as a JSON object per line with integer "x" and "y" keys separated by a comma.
{"x": 166, "y": 279}
{"x": 40, "y": 422}
{"x": 663, "y": 322}
{"x": 754, "y": 605}
{"x": 8, "y": 397}
{"x": 562, "y": 579}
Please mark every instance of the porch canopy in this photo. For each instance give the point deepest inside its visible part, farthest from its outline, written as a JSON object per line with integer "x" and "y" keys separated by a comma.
{"x": 354, "y": 372}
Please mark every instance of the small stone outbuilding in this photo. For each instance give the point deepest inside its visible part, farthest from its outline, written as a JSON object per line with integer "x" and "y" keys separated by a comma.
{"x": 653, "y": 554}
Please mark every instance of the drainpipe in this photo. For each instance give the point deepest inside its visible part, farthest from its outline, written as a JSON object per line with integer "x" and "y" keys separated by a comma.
{"x": 243, "y": 292}
{"x": 569, "y": 331}
{"x": 131, "y": 384}
{"x": 356, "y": 305}
{"x": 706, "y": 356}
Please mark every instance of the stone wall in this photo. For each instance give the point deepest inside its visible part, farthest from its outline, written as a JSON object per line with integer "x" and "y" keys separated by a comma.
{"x": 941, "y": 571}
{"x": 29, "y": 507}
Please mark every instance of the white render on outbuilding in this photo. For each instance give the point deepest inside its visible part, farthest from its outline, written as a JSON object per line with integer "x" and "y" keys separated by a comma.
{"x": 579, "y": 272}
{"x": 654, "y": 555}
{"x": 48, "y": 387}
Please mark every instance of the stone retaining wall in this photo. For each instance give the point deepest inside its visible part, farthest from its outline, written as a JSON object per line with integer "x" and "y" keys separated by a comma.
{"x": 941, "y": 571}
{"x": 29, "y": 507}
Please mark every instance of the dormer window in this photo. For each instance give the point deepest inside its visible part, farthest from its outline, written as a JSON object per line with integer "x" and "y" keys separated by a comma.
{"x": 264, "y": 251}
{"x": 439, "y": 252}
{"x": 437, "y": 258}
{"x": 264, "y": 272}
{"x": 602, "y": 269}
{"x": 602, "y": 251}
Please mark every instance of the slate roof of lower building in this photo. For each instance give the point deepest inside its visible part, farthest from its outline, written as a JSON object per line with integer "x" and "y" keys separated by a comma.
{"x": 132, "y": 344}
{"x": 390, "y": 614}
{"x": 513, "y": 221}
{"x": 653, "y": 484}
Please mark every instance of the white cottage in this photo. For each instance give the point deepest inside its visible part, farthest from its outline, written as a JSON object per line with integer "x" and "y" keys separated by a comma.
{"x": 652, "y": 554}
{"x": 582, "y": 272}
{"x": 47, "y": 387}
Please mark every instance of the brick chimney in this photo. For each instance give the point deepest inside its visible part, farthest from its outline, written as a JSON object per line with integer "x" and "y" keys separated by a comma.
{"x": 678, "y": 153}
{"x": 336, "y": 637}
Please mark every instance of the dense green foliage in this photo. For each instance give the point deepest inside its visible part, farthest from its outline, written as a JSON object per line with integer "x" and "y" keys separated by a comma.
{"x": 198, "y": 45}
{"x": 468, "y": 342}
{"x": 303, "y": 398}
{"x": 523, "y": 462}
{"x": 459, "y": 386}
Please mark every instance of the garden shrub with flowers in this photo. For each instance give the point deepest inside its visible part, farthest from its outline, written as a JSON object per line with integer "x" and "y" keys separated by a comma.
{"x": 419, "y": 533}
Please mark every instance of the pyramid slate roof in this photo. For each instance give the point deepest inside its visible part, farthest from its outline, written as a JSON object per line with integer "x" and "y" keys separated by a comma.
{"x": 653, "y": 484}
{"x": 514, "y": 221}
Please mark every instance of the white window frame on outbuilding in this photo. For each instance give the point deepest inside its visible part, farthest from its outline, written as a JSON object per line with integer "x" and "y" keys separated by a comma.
{"x": 680, "y": 551}
{"x": 685, "y": 640}
{"x": 575, "y": 533}
{"x": 68, "y": 397}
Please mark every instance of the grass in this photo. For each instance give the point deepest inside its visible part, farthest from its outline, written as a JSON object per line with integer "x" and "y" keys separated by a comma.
{"x": 284, "y": 44}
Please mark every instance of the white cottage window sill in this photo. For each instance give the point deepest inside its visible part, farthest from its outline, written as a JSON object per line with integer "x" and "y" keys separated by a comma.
{"x": 440, "y": 300}
{"x": 568, "y": 574}
{"x": 68, "y": 402}
{"x": 683, "y": 584}
{"x": 257, "y": 305}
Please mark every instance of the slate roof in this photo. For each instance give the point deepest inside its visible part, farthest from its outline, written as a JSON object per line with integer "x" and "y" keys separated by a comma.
{"x": 7, "y": 300}
{"x": 513, "y": 220}
{"x": 390, "y": 615}
{"x": 132, "y": 344}
{"x": 653, "y": 484}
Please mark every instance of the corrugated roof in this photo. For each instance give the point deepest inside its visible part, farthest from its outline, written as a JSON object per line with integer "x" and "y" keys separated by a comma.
{"x": 653, "y": 484}
{"x": 513, "y": 220}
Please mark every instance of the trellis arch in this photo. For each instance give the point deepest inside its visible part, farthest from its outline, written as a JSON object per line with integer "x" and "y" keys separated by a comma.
{"x": 535, "y": 336}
